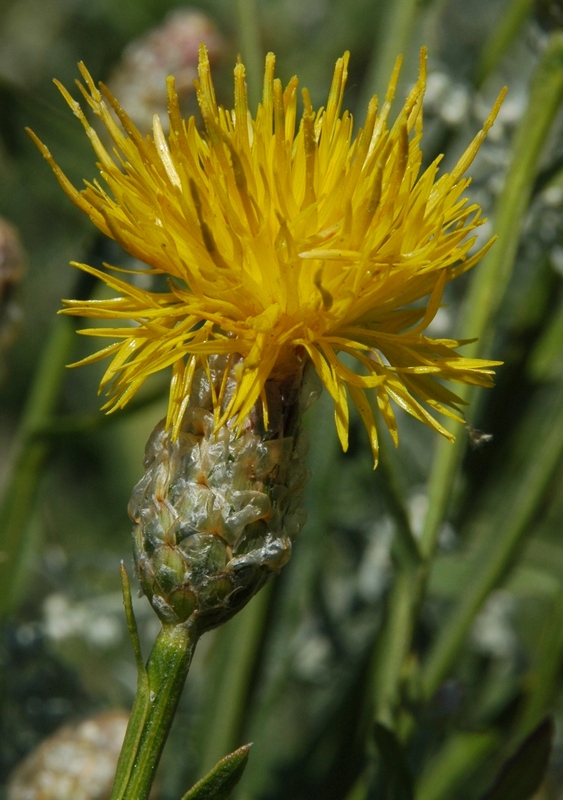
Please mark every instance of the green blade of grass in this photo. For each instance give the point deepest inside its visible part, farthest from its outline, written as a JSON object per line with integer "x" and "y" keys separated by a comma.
{"x": 395, "y": 23}
{"x": 526, "y": 487}
{"x": 461, "y": 755}
{"x": 500, "y": 38}
{"x": 542, "y": 679}
{"x": 235, "y": 657}
{"x": 493, "y": 275}
{"x": 29, "y": 456}
{"x": 250, "y": 49}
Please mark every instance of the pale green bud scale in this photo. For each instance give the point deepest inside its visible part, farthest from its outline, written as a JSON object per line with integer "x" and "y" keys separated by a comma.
{"x": 216, "y": 511}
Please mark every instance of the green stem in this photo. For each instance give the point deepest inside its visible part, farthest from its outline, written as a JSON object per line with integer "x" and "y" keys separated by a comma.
{"x": 237, "y": 644}
{"x": 501, "y": 37}
{"x": 492, "y": 560}
{"x": 482, "y": 304}
{"x": 394, "y": 641}
{"x": 251, "y": 49}
{"x": 462, "y": 754}
{"x": 491, "y": 278}
{"x": 406, "y": 552}
{"x": 543, "y": 677}
{"x": 393, "y": 645}
{"x": 153, "y": 711}
{"x": 28, "y": 456}
{"x": 395, "y": 23}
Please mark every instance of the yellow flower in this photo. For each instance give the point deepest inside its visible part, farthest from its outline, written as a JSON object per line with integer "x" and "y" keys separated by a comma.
{"x": 281, "y": 245}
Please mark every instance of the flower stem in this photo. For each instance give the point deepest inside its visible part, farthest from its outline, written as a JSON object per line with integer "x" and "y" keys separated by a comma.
{"x": 153, "y": 711}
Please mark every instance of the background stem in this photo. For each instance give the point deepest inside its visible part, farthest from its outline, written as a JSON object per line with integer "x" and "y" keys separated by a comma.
{"x": 493, "y": 558}
{"x": 491, "y": 278}
{"x": 238, "y": 646}
{"x": 395, "y": 23}
{"x": 250, "y": 49}
{"x": 29, "y": 455}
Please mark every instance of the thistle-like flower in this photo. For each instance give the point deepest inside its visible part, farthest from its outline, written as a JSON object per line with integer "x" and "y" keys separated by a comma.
{"x": 283, "y": 245}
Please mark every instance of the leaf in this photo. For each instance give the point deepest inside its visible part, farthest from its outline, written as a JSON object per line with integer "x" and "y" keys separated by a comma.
{"x": 461, "y": 756}
{"x": 522, "y": 775}
{"x": 393, "y": 776}
{"x": 222, "y": 779}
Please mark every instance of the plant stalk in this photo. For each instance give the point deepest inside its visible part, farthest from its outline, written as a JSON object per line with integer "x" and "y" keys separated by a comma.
{"x": 394, "y": 642}
{"x": 29, "y": 453}
{"x": 494, "y": 558}
{"x": 239, "y": 645}
{"x": 249, "y": 42}
{"x": 395, "y": 19}
{"x": 153, "y": 711}
{"x": 492, "y": 277}
{"x": 483, "y": 302}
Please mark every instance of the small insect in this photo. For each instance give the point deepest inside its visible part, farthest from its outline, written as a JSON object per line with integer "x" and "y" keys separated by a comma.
{"x": 477, "y": 438}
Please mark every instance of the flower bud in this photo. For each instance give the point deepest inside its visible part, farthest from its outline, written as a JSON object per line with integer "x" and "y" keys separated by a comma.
{"x": 217, "y": 510}
{"x": 77, "y": 762}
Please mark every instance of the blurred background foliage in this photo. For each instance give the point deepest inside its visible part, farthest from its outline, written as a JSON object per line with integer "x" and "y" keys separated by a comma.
{"x": 453, "y": 645}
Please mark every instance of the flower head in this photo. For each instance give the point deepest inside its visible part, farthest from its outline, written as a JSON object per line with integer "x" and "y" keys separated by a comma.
{"x": 282, "y": 243}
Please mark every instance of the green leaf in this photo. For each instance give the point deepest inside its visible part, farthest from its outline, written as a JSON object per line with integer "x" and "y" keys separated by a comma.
{"x": 461, "y": 756}
{"x": 546, "y": 358}
{"x": 516, "y": 508}
{"x": 501, "y": 37}
{"x": 393, "y": 776}
{"x": 522, "y": 775}
{"x": 491, "y": 279}
{"x": 228, "y": 691}
{"x": 222, "y": 779}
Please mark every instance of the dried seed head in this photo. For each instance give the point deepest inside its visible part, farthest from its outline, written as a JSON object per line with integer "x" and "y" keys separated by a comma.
{"x": 217, "y": 510}
{"x": 170, "y": 49}
{"x": 77, "y": 762}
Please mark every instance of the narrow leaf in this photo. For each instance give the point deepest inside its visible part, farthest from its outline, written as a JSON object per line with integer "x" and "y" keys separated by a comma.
{"x": 222, "y": 779}
{"x": 393, "y": 774}
{"x": 523, "y": 773}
